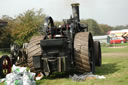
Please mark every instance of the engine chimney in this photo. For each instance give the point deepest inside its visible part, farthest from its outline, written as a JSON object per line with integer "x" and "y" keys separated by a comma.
{"x": 75, "y": 11}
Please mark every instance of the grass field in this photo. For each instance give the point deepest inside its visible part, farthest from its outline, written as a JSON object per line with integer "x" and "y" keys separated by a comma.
{"x": 3, "y": 53}
{"x": 114, "y": 68}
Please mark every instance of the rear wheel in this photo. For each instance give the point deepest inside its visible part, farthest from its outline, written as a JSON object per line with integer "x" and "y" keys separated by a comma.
{"x": 33, "y": 49}
{"x": 5, "y": 65}
{"x": 84, "y": 52}
{"x": 97, "y": 50}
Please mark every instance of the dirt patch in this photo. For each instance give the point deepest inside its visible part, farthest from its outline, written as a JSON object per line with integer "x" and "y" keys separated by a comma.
{"x": 118, "y": 47}
{"x": 115, "y": 54}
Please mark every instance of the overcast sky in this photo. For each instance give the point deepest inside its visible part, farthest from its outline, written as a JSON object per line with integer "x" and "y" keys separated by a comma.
{"x": 111, "y": 12}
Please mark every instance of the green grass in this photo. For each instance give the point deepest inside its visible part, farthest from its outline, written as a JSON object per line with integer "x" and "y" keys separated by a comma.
{"x": 115, "y": 69}
{"x": 122, "y": 44}
{"x": 4, "y": 53}
{"x": 112, "y": 45}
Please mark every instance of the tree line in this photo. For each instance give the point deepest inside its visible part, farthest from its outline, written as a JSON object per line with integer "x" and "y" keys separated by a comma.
{"x": 21, "y": 28}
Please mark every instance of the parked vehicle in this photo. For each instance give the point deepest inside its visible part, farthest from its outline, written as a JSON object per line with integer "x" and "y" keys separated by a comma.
{"x": 116, "y": 40}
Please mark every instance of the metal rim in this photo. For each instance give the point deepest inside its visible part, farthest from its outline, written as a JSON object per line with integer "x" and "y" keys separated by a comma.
{"x": 100, "y": 57}
{"x": 97, "y": 49}
{"x": 91, "y": 53}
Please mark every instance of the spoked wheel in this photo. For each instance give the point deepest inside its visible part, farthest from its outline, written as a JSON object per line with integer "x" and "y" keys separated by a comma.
{"x": 84, "y": 52}
{"x": 5, "y": 65}
{"x": 98, "y": 57}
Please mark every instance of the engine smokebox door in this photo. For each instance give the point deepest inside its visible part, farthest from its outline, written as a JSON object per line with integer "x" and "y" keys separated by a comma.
{"x": 54, "y": 47}
{"x": 37, "y": 61}
{"x": 53, "y": 43}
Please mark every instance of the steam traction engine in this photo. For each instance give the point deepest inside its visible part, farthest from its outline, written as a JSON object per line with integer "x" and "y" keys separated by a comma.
{"x": 69, "y": 46}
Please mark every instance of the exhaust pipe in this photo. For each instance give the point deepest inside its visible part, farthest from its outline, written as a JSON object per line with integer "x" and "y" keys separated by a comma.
{"x": 75, "y": 11}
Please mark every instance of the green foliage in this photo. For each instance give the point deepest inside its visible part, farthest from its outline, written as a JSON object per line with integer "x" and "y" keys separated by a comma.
{"x": 114, "y": 49}
{"x": 93, "y": 26}
{"x": 57, "y": 23}
{"x": 4, "y": 53}
{"x": 113, "y": 68}
{"x": 120, "y": 27}
{"x": 27, "y": 24}
{"x": 114, "y": 45}
{"x": 5, "y": 36}
{"x": 22, "y": 28}
{"x": 105, "y": 28}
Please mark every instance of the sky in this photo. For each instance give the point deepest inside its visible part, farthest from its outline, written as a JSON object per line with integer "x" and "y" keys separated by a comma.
{"x": 111, "y": 12}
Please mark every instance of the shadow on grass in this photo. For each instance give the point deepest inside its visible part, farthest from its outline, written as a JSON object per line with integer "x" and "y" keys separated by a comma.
{"x": 57, "y": 75}
{"x": 106, "y": 69}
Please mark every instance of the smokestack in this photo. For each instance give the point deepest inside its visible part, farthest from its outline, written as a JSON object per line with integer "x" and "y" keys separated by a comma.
{"x": 75, "y": 11}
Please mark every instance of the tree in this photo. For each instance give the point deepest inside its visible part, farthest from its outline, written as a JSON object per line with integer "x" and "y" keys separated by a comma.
{"x": 93, "y": 27}
{"x": 105, "y": 28}
{"x": 120, "y": 27}
{"x": 27, "y": 24}
{"x": 57, "y": 23}
{"x": 5, "y": 37}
